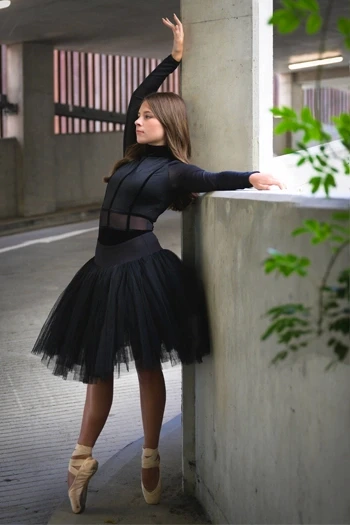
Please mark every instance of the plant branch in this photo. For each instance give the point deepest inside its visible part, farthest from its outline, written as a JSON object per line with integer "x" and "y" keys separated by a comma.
{"x": 324, "y": 282}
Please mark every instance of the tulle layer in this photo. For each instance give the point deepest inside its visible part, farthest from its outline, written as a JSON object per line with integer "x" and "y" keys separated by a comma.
{"x": 133, "y": 302}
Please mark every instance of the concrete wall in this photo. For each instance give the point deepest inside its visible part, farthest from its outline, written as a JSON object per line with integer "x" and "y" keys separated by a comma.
{"x": 271, "y": 443}
{"x": 81, "y": 162}
{"x": 8, "y": 166}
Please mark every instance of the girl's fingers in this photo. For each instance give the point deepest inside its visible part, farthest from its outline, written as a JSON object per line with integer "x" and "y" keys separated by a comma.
{"x": 167, "y": 22}
{"x": 177, "y": 20}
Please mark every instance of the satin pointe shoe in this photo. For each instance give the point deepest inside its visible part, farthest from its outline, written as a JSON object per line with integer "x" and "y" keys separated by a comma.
{"x": 151, "y": 459}
{"x": 83, "y": 470}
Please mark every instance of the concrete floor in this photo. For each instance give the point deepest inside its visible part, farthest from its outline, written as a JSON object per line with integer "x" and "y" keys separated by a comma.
{"x": 40, "y": 414}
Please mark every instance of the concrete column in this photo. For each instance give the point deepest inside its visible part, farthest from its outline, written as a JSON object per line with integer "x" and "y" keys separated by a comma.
{"x": 227, "y": 83}
{"x": 30, "y": 85}
{"x": 285, "y": 98}
{"x": 297, "y": 95}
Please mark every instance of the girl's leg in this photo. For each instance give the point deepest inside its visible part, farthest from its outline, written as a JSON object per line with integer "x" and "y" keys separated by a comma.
{"x": 98, "y": 403}
{"x": 152, "y": 397}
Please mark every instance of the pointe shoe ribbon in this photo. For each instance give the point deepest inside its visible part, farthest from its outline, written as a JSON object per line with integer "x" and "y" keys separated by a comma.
{"x": 151, "y": 459}
{"x": 83, "y": 470}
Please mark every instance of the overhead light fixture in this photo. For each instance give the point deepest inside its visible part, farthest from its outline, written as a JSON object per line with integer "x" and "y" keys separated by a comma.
{"x": 314, "y": 63}
{"x": 4, "y": 4}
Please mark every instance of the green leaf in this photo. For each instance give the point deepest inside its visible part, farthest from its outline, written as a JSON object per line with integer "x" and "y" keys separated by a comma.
{"x": 306, "y": 115}
{"x": 329, "y": 182}
{"x": 289, "y": 335}
{"x": 313, "y": 226}
{"x": 289, "y": 5}
{"x": 344, "y": 28}
{"x": 331, "y": 305}
{"x": 321, "y": 160}
{"x": 301, "y": 146}
{"x": 282, "y": 324}
{"x": 288, "y": 112}
{"x": 301, "y": 161}
{"x": 339, "y": 349}
{"x": 337, "y": 238}
{"x": 279, "y": 357}
{"x": 311, "y": 5}
{"x": 341, "y": 215}
{"x": 299, "y": 231}
{"x": 270, "y": 266}
{"x": 315, "y": 183}
{"x": 285, "y": 21}
{"x": 283, "y": 127}
{"x": 288, "y": 309}
{"x": 342, "y": 123}
{"x": 313, "y": 23}
{"x": 341, "y": 229}
{"x": 340, "y": 325}
{"x": 346, "y": 164}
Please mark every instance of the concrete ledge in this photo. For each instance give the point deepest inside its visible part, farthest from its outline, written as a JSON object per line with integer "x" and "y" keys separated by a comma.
{"x": 70, "y": 215}
{"x": 115, "y": 494}
{"x": 298, "y": 200}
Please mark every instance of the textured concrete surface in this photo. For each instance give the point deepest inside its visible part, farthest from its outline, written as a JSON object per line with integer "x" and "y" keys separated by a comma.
{"x": 271, "y": 443}
{"x": 40, "y": 414}
{"x": 30, "y": 83}
{"x": 74, "y": 171}
{"x": 8, "y": 150}
{"x": 81, "y": 162}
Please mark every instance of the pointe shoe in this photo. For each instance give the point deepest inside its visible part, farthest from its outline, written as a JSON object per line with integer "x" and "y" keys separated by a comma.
{"x": 77, "y": 492}
{"x": 151, "y": 459}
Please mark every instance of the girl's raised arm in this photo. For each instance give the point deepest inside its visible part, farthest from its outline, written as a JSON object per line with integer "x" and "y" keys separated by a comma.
{"x": 154, "y": 80}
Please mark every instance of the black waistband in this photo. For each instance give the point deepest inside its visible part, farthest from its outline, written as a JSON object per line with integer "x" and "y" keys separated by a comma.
{"x": 131, "y": 250}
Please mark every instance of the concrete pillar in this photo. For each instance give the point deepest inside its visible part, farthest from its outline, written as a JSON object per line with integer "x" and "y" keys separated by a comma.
{"x": 30, "y": 85}
{"x": 285, "y": 98}
{"x": 297, "y": 96}
{"x": 227, "y": 83}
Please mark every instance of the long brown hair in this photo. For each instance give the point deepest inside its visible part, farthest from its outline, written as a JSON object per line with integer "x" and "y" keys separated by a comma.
{"x": 170, "y": 110}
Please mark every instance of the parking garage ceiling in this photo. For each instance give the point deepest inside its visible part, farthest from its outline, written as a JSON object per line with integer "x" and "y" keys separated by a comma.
{"x": 133, "y": 27}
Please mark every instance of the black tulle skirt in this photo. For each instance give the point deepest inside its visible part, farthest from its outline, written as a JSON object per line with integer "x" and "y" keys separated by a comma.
{"x": 134, "y": 301}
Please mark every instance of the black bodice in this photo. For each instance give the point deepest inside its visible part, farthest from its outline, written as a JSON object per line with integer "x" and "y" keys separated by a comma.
{"x": 141, "y": 190}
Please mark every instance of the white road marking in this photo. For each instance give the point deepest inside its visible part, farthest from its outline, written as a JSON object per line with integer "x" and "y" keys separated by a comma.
{"x": 14, "y": 391}
{"x": 47, "y": 239}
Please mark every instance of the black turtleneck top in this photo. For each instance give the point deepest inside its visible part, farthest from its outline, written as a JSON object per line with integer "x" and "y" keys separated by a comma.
{"x": 140, "y": 191}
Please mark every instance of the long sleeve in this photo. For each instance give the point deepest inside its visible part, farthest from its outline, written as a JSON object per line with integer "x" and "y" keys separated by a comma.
{"x": 187, "y": 177}
{"x": 150, "y": 85}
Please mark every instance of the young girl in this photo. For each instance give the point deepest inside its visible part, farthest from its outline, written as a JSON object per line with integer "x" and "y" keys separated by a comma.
{"x": 135, "y": 300}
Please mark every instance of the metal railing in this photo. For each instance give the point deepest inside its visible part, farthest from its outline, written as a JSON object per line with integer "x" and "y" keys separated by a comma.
{"x": 331, "y": 102}
{"x": 92, "y": 91}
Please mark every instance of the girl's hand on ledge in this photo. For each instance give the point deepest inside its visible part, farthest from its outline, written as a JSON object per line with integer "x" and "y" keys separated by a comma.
{"x": 178, "y": 33}
{"x": 264, "y": 181}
